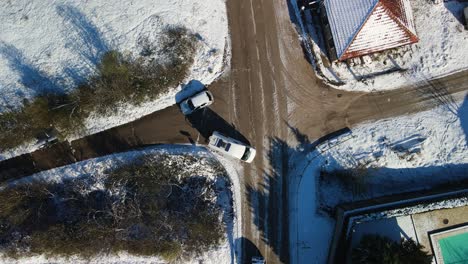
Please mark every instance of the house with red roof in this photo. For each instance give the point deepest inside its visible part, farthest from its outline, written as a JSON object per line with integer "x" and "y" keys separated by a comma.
{"x": 353, "y": 28}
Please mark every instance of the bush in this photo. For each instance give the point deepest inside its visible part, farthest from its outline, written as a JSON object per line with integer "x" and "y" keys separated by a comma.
{"x": 170, "y": 251}
{"x": 119, "y": 80}
{"x": 382, "y": 250}
{"x": 13, "y": 130}
{"x": 144, "y": 209}
{"x": 37, "y": 117}
{"x": 355, "y": 180}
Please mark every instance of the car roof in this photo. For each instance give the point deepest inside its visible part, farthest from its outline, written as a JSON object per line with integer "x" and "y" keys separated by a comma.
{"x": 200, "y": 99}
{"x": 237, "y": 150}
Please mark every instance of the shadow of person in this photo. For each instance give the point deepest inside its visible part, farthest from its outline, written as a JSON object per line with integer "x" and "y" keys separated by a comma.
{"x": 188, "y": 135}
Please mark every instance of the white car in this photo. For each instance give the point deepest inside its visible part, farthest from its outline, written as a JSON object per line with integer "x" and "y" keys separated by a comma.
{"x": 196, "y": 102}
{"x": 231, "y": 147}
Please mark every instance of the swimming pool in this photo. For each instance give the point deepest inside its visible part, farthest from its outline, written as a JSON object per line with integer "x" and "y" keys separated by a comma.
{"x": 455, "y": 249}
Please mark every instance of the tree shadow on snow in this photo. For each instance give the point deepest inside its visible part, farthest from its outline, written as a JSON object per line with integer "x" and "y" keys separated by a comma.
{"x": 456, "y": 8}
{"x": 269, "y": 202}
{"x": 437, "y": 91}
{"x": 342, "y": 186}
{"x": 347, "y": 185}
{"x": 88, "y": 41}
{"x": 226, "y": 201}
{"x": 463, "y": 116}
{"x": 30, "y": 75}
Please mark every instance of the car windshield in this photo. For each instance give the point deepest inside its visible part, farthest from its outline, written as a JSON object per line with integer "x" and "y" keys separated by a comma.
{"x": 246, "y": 154}
{"x": 190, "y": 104}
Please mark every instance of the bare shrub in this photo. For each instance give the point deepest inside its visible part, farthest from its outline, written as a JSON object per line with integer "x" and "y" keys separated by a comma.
{"x": 375, "y": 249}
{"x": 119, "y": 80}
{"x": 144, "y": 209}
{"x": 355, "y": 180}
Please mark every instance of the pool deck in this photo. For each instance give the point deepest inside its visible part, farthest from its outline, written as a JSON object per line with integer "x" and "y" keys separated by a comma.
{"x": 428, "y": 222}
{"x": 436, "y": 237}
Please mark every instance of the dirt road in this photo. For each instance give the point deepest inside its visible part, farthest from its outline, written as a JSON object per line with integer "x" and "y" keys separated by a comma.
{"x": 272, "y": 88}
{"x": 269, "y": 92}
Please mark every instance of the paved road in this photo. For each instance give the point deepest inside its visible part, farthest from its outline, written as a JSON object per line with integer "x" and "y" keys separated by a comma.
{"x": 270, "y": 92}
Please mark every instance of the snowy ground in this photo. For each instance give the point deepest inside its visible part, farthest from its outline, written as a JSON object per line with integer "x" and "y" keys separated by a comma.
{"x": 441, "y": 51}
{"x": 222, "y": 254}
{"x": 404, "y": 153}
{"x": 56, "y": 44}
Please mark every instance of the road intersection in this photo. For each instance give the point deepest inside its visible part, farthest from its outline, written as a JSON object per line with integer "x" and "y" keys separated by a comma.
{"x": 269, "y": 93}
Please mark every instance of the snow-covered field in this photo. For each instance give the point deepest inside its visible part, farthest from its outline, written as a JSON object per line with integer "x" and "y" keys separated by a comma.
{"x": 442, "y": 50}
{"x": 222, "y": 254}
{"x": 403, "y": 153}
{"x": 53, "y": 45}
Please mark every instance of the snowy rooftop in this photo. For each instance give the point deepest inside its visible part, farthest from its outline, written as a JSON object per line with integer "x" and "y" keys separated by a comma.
{"x": 361, "y": 27}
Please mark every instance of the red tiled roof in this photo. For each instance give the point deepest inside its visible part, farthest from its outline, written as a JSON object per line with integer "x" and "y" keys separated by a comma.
{"x": 378, "y": 25}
